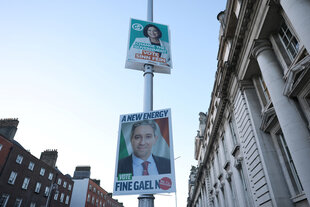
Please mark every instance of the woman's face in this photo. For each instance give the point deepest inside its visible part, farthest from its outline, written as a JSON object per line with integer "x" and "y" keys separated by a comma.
{"x": 152, "y": 32}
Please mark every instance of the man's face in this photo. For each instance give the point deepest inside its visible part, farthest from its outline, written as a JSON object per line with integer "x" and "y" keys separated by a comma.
{"x": 142, "y": 141}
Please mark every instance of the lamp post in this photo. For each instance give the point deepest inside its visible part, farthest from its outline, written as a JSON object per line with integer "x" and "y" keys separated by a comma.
{"x": 147, "y": 200}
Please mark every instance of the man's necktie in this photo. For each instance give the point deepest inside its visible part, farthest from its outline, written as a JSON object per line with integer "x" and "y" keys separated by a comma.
{"x": 145, "y": 165}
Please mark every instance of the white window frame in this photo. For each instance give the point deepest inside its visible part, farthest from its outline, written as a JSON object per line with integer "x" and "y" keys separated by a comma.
{"x": 46, "y": 191}
{"x": 65, "y": 184}
{"x": 25, "y": 183}
{"x": 4, "y": 199}
{"x": 12, "y": 177}
{"x": 50, "y": 176}
{"x": 88, "y": 198}
{"x": 42, "y": 171}
{"x": 59, "y": 181}
{"x": 293, "y": 37}
{"x": 225, "y": 150}
{"x": 31, "y": 166}
{"x": 234, "y": 137}
{"x": 67, "y": 199}
{"x": 69, "y": 187}
{"x": 1, "y": 147}
{"x": 288, "y": 168}
{"x": 32, "y": 204}
{"x": 19, "y": 159}
{"x": 38, "y": 187}
{"x": 56, "y": 195}
{"x": 262, "y": 92}
{"x": 18, "y": 202}
{"x": 62, "y": 195}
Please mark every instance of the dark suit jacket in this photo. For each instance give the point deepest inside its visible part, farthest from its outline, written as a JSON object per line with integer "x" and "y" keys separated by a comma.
{"x": 162, "y": 164}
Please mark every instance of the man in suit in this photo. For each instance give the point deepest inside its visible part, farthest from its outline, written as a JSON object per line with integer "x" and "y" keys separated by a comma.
{"x": 142, "y": 161}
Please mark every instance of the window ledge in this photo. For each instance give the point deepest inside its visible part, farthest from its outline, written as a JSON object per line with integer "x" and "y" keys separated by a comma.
{"x": 299, "y": 197}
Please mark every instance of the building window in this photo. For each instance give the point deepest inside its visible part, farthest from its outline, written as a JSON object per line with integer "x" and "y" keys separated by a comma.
{"x": 219, "y": 162}
{"x": 69, "y": 187}
{"x": 62, "y": 197}
{"x": 94, "y": 190}
{"x": 18, "y": 202}
{"x": 245, "y": 187}
{"x": 1, "y": 147}
{"x": 93, "y": 200}
{"x": 88, "y": 198}
{"x": 46, "y": 192}
{"x": 31, "y": 166}
{"x": 4, "y": 200}
{"x": 42, "y": 171}
{"x": 224, "y": 149}
{"x": 289, "y": 166}
{"x": 233, "y": 133}
{"x": 38, "y": 186}
{"x": 25, "y": 183}
{"x": 19, "y": 159}
{"x": 289, "y": 40}
{"x": 50, "y": 176}
{"x": 59, "y": 181}
{"x": 56, "y": 195}
{"x": 32, "y": 204}
{"x": 97, "y": 202}
{"x": 265, "y": 91}
{"x": 12, "y": 178}
{"x": 67, "y": 199}
{"x": 65, "y": 184}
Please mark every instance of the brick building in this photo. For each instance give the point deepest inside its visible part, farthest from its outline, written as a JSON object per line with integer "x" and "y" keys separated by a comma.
{"x": 26, "y": 180}
{"x": 87, "y": 192}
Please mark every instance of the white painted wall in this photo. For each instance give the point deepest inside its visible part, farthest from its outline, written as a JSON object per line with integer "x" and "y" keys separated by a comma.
{"x": 79, "y": 192}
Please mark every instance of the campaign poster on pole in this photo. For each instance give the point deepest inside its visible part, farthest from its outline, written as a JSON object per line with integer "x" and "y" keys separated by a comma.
{"x": 145, "y": 161}
{"x": 148, "y": 43}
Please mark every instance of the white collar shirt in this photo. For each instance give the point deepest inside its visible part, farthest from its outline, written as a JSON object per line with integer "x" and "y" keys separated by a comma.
{"x": 138, "y": 168}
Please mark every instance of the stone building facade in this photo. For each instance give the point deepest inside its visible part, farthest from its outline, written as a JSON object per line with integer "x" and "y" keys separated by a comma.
{"x": 254, "y": 147}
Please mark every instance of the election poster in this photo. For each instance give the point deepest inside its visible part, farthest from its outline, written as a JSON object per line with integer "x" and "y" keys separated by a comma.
{"x": 148, "y": 43}
{"x": 145, "y": 161}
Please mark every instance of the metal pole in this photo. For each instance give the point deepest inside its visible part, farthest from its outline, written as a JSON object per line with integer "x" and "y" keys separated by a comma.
{"x": 148, "y": 88}
{"x": 147, "y": 200}
{"x": 148, "y": 70}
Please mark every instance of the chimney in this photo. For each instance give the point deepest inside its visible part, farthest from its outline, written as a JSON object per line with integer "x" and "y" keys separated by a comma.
{"x": 81, "y": 172}
{"x": 49, "y": 157}
{"x": 8, "y": 128}
{"x": 96, "y": 181}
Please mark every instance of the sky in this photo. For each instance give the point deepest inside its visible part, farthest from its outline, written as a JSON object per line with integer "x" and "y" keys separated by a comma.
{"x": 63, "y": 76}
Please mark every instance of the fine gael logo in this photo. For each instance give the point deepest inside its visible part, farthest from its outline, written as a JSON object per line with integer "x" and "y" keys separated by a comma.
{"x": 137, "y": 27}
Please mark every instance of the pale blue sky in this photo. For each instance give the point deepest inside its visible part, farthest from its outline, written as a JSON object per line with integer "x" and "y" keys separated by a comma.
{"x": 63, "y": 76}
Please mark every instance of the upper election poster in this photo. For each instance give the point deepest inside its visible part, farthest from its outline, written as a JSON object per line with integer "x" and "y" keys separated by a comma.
{"x": 144, "y": 160}
{"x": 148, "y": 43}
